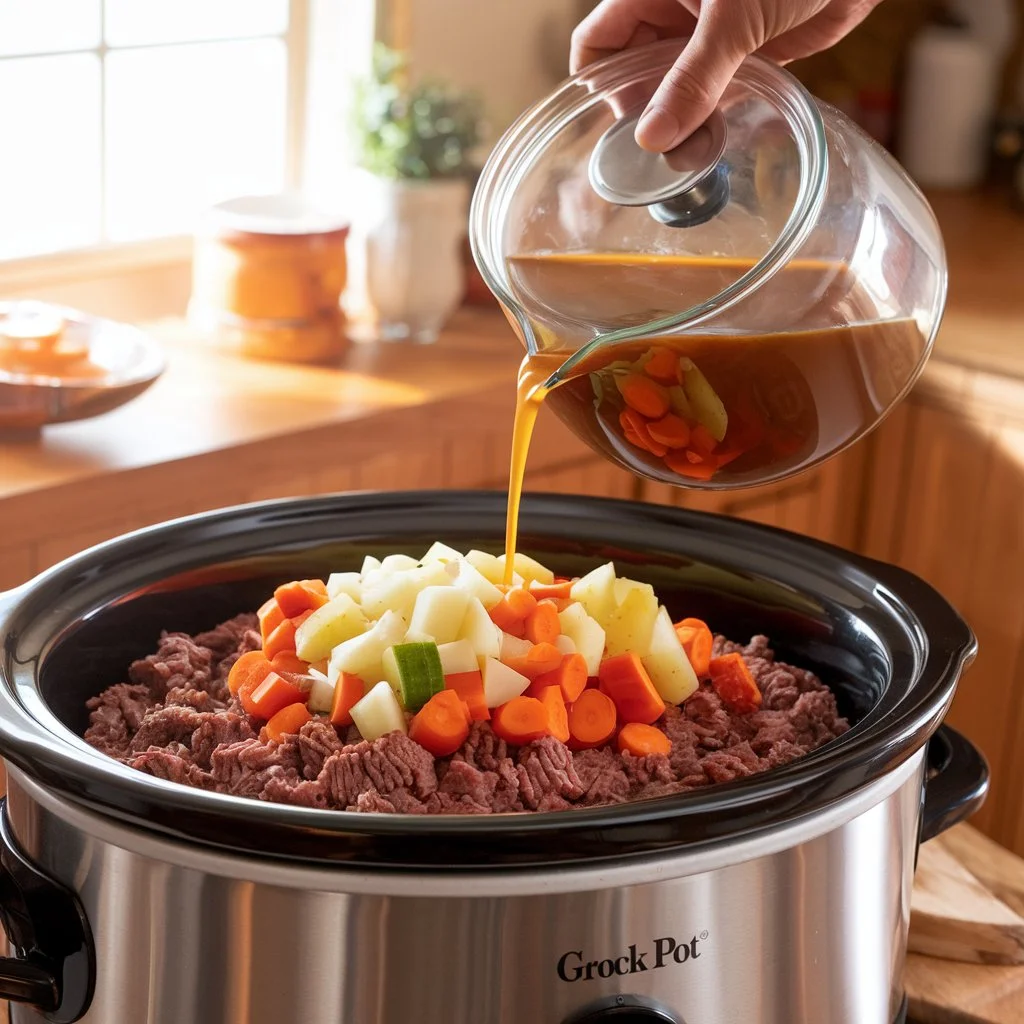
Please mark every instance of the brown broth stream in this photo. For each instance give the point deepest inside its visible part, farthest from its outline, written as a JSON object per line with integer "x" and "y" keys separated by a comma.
{"x": 726, "y": 409}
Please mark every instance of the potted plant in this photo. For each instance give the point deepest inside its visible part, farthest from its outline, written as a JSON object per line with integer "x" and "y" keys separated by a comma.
{"x": 414, "y": 150}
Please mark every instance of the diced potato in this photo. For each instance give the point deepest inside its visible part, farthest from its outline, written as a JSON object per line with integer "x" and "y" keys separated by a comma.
{"x": 467, "y": 577}
{"x": 361, "y": 656}
{"x": 565, "y": 644}
{"x": 680, "y": 403}
{"x": 596, "y": 592}
{"x": 478, "y": 629}
{"x": 440, "y": 612}
{"x": 487, "y": 565}
{"x": 438, "y": 552}
{"x": 350, "y": 583}
{"x": 501, "y": 683}
{"x": 513, "y": 647}
{"x": 667, "y": 664}
{"x": 707, "y": 406}
{"x": 398, "y": 563}
{"x": 624, "y": 586}
{"x": 378, "y": 713}
{"x": 321, "y": 694}
{"x": 586, "y": 633}
{"x": 331, "y": 624}
{"x": 369, "y": 564}
{"x": 630, "y": 626}
{"x": 457, "y": 656}
{"x": 398, "y": 591}
{"x": 412, "y": 637}
{"x": 528, "y": 568}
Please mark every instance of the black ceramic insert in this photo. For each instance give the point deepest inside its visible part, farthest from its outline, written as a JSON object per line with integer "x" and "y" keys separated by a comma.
{"x": 889, "y": 645}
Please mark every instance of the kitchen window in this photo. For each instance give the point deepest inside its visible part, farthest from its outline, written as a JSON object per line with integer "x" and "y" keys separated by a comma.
{"x": 123, "y": 119}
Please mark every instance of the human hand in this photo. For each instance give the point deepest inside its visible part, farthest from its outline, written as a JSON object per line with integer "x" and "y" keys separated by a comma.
{"x": 721, "y": 34}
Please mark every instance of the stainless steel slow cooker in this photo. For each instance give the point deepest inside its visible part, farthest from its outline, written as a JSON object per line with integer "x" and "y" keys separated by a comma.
{"x": 778, "y": 899}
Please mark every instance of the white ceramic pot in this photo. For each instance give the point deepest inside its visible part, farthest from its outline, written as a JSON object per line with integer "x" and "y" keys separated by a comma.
{"x": 406, "y": 275}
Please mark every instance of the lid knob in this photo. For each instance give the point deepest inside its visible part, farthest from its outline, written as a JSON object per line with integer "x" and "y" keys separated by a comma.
{"x": 685, "y": 186}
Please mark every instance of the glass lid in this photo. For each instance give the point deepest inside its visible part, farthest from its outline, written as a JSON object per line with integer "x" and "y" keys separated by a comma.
{"x": 581, "y": 233}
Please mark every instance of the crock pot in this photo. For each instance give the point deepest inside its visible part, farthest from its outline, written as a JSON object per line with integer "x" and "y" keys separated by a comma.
{"x": 778, "y": 899}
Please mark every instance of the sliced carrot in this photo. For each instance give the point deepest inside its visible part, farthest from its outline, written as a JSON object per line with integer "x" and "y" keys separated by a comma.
{"x": 521, "y": 602}
{"x": 288, "y": 721}
{"x": 540, "y": 658}
{"x": 270, "y": 696}
{"x": 625, "y": 680}
{"x": 724, "y": 457}
{"x": 640, "y": 740}
{"x": 644, "y": 395}
{"x": 288, "y": 662}
{"x": 270, "y": 616}
{"x": 559, "y": 590}
{"x": 470, "y": 688}
{"x": 299, "y": 596}
{"x": 558, "y": 717}
{"x": 697, "y": 641}
{"x": 663, "y": 365}
{"x": 506, "y": 619}
{"x": 734, "y": 684}
{"x": 654, "y": 446}
{"x": 442, "y": 724}
{"x": 592, "y": 720}
{"x": 348, "y": 691}
{"x": 678, "y": 462}
{"x": 281, "y": 639}
{"x": 542, "y": 624}
{"x": 701, "y": 440}
{"x": 298, "y": 620}
{"x": 521, "y": 720}
{"x": 250, "y": 666}
{"x": 570, "y": 677}
{"x": 670, "y": 430}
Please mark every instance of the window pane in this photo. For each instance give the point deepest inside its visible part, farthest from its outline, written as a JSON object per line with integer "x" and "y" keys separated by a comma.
{"x": 50, "y": 170}
{"x": 188, "y": 126}
{"x": 134, "y": 22}
{"x": 48, "y": 26}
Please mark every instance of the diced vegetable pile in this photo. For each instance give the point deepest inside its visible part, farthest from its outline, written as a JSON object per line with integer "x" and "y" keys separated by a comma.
{"x": 428, "y": 646}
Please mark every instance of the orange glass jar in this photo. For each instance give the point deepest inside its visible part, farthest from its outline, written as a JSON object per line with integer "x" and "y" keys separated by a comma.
{"x": 267, "y": 278}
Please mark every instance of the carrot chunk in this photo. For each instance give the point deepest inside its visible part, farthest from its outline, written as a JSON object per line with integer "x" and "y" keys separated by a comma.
{"x": 644, "y": 395}
{"x": 662, "y": 366}
{"x": 697, "y": 641}
{"x": 558, "y": 717}
{"x": 270, "y": 696}
{"x": 701, "y": 440}
{"x": 300, "y": 596}
{"x": 640, "y": 740}
{"x": 506, "y": 619}
{"x": 521, "y": 720}
{"x": 250, "y": 667}
{"x": 288, "y": 721}
{"x": 542, "y": 624}
{"x": 540, "y": 658}
{"x": 560, "y": 590}
{"x": 470, "y": 688}
{"x": 670, "y": 430}
{"x": 625, "y": 680}
{"x": 570, "y": 677}
{"x": 734, "y": 684}
{"x": 678, "y": 461}
{"x": 348, "y": 691}
{"x": 270, "y": 617}
{"x": 442, "y": 724}
{"x": 592, "y": 720}
{"x": 522, "y": 603}
{"x": 281, "y": 639}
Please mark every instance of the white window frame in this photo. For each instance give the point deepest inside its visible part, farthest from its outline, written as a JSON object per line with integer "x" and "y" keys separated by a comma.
{"x": 107, "y": 260}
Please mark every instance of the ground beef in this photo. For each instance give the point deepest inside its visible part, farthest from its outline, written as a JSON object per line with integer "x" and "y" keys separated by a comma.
{"x": 175, "y": 720}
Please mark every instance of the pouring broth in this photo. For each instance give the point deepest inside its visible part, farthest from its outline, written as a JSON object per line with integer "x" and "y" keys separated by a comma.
{"x": 709, "y": 409}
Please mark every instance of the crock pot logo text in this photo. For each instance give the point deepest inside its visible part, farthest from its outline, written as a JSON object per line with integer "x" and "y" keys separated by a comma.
{"x": 574, "y": 966}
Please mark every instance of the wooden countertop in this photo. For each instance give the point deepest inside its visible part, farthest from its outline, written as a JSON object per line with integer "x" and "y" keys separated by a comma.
{"x": 210, "y": 401}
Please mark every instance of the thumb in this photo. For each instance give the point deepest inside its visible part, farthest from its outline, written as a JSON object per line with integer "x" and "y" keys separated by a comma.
{"x": 689, "y": 92}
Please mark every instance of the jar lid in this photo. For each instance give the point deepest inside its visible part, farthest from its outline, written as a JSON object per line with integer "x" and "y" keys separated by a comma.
{"x": 581, "y": 233}
{"x": 281, "y": 214}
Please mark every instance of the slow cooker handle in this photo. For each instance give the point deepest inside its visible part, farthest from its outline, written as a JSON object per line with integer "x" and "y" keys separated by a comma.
{"x": 55, "y": 969}
{"x": 957, "y": 783}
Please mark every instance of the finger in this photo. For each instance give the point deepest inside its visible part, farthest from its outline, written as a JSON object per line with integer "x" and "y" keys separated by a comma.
{"x": 612, "y": 25}
{"x": 691, "y": 89}
{"x": 825, "y": 29}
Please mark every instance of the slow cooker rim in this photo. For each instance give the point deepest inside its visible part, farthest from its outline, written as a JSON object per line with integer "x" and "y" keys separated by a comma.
{"x": 817, "y": 779}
